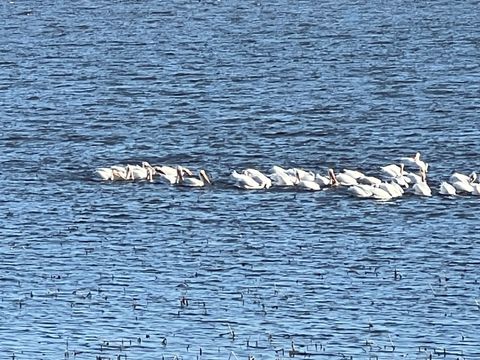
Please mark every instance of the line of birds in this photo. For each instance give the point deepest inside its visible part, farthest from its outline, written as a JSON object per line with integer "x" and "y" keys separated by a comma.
{"x": 394, "y": 182}
{"x": 178, "y": 175}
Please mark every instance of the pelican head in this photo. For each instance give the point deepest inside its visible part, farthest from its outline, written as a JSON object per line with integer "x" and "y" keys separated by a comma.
{"x": 473, "y": 177}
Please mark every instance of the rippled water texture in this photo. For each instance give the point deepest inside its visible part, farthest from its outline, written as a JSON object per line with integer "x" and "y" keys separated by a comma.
{"x": 147, "y": 271}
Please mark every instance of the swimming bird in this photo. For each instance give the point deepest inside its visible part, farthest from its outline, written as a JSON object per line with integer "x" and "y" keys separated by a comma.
{"x": 307, "y": 184}
{"x": 301, "y": 174}
{"x": 447, "y": 189}
{"x": 139, "y": 172}
{"x": 421, "y": 187}
{"x": 380, "y": 194}
{"x": 345, "y": 179}
{"x": 192, "y": 181}
{"x": 112, "y": 173}
{"x": 463, "y": 183}
{"x": 322, "y": 180}
{"x": 361, "y": 190}
{"x": 369, "y": 180}
{"x": 393, "y": 170}
{"x": 461, "y": 186}
{"x": 392, "y": 188}
{"x": 412, "y": 178}
{"x": 402, "y": 181}
{"x": 105, "y": 173}
{"x": 280, "y": 177}
{"x": 244, "y": 181}
{"x": 259, "y": 177}
{"x": 415, "y": 160}
{"x": 463, "y": 178}
{"x": 171, "y": 179}
{"x": 354, "y": 173}
{"x": 172, "y": 171}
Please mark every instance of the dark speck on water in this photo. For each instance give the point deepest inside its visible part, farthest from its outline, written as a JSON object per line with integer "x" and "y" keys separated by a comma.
{"x": 138, "y": 270}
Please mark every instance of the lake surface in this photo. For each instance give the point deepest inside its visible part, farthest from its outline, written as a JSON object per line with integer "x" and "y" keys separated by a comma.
{"x": 140, "y": 270}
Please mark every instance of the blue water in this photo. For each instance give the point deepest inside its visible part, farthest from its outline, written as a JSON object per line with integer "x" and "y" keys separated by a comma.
{"x": 91, "y": 269}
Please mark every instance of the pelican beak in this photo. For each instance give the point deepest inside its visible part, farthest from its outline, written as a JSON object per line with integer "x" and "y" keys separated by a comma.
{"x": 333, "y": 178}
{"x": 208, "y": 180}
{"x": 179, "y": 174}
{"x": 205, "y": 177}
{"x": 129, "y": 174}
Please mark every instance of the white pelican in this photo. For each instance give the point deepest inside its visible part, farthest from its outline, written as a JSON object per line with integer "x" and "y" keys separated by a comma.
{"x": 323, "y": 180}
{"x": 402, "y": 181}
{"x": 380, "y": 194}
{"x": 170, "y": 170}
{"x": 168, "y": 178}
{"x": 120, "y": 168}
{"x": 243, "y": 181}
{"x": 463, "y": 178}
{"x": 277, "y": 169}
{"x": 369, "y": 180}
{"x": 412, "y": 178}
{"x": 113, "y": 173}
{"x": 301, "y": 174}
{"x": 307, "y": 184}
{"x": 415, "y": 160}
{"x": 192, "y": 181}
{"x": 280, "y": 177}
{"x": 345, "y": 179}
{"x": 361, "y": 190}
{"x": 105, "y": 173}
{"x": 422, "y": 188}
{"x": 166, "y": 170}
{"x": 447, "y": 189}
{"x": 461, "y": 186}
{"x": 258, "y": 177}
{"x": 354, "y": 174}
{"x": 283, "y": 179}
{"x": 140, "y": 172}
{"x": 392, "y": 188}
{"x": 393, "y": 170}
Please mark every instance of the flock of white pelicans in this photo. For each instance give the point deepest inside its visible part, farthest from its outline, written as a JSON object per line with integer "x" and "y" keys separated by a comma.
{"x": 394, "y": 182}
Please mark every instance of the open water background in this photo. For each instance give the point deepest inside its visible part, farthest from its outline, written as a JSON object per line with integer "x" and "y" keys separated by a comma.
{"x": 91, "y": 269}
